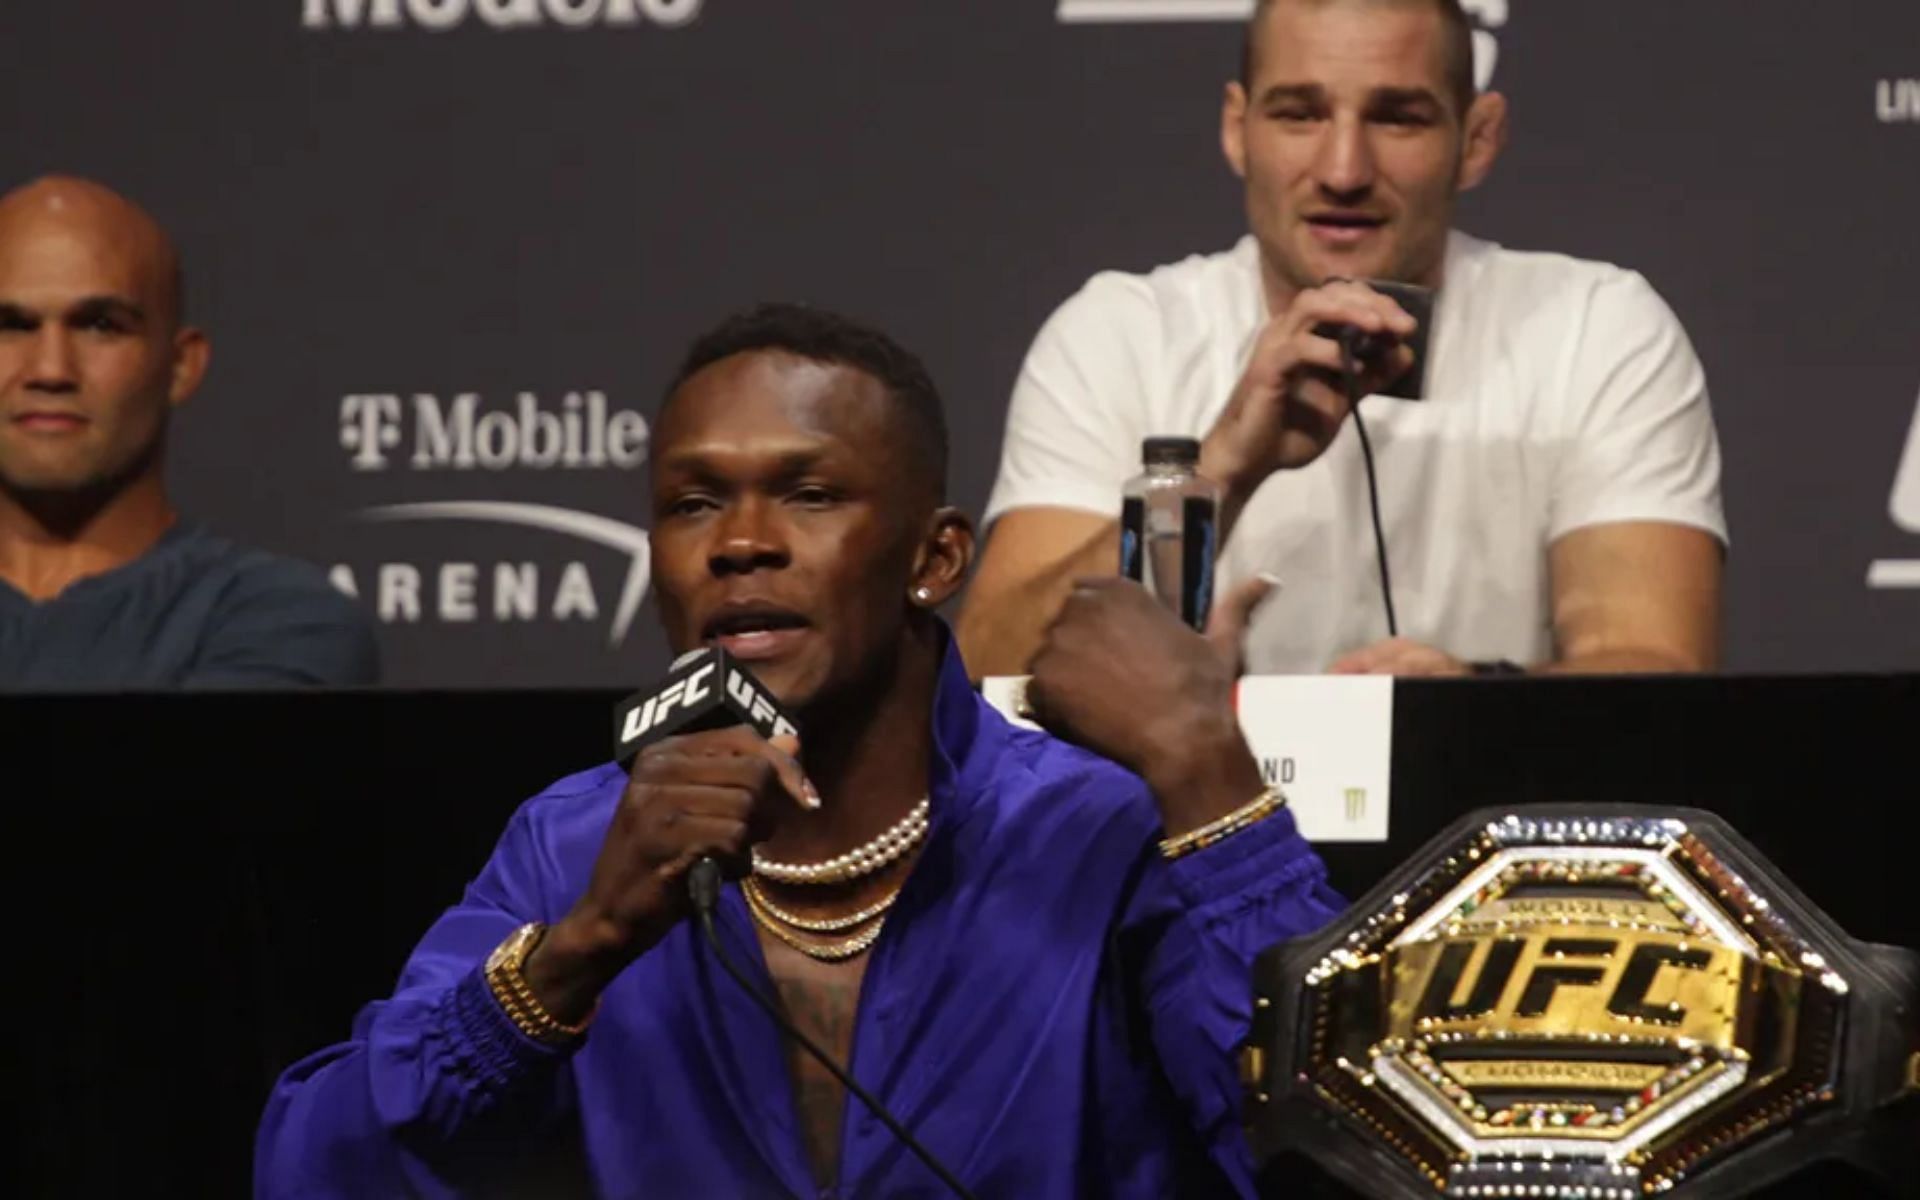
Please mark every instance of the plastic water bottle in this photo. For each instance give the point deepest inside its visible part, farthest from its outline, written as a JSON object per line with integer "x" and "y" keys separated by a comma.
{"x": 1169, "y": 527}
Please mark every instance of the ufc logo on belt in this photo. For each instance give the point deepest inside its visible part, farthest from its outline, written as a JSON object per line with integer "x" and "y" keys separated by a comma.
{"x": 1553, "y": 980}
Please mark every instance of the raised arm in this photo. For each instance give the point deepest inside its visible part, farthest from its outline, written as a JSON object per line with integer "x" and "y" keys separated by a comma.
{"x": 1079, "y": 413}
{"x": 439, "y": 1087}
{"x": 1233, "y": 877}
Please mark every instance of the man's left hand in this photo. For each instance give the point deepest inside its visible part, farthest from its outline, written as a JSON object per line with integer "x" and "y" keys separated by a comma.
{"x": 1120, "y": 675}
{"x": 1398, "y": 656}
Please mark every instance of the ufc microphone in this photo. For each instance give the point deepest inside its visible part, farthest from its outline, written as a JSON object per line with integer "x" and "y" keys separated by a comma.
{"x": 1357, "y": 347}
{"x": 704, "y": 689}
{"x": 1367, "y": 347}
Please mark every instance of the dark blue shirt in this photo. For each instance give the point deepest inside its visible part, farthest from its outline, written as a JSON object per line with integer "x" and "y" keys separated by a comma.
{"x": 194, "y": 611}
{"x": 1052, "y": 1007}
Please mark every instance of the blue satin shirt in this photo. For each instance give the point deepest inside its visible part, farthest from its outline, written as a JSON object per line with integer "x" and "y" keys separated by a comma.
{"x": 1052, "y": 1008}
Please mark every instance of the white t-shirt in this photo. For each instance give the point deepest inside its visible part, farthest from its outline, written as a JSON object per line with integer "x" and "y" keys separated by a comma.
{"x": 1560, "y": 394}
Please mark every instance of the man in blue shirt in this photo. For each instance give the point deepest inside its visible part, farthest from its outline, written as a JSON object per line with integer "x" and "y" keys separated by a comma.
{"x": 102, "y": 586}
{"x": 1036, "y": 958}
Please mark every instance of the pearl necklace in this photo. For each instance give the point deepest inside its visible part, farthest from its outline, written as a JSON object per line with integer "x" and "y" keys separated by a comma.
{"x": 856, "y": 863}
{"x": 823, "y": 951}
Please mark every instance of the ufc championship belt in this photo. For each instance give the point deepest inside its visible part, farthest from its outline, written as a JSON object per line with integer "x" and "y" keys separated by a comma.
{"x": 1579, "y": 1002}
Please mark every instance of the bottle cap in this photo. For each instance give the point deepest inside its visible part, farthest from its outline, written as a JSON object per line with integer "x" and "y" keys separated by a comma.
{"x": 1170, "y": 451}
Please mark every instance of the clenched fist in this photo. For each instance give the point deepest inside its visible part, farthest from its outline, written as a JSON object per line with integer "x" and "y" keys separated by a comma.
{"x": 1122, "y": 676}
{"x": 700, "y": 795}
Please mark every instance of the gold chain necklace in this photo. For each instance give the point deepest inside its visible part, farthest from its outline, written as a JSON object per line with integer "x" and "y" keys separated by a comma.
{"x": 823, "y": 951}
{"x": 821, "y": 924}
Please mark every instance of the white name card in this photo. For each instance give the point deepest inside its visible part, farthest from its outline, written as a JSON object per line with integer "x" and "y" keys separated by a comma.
{"x": 1327, "y": 740}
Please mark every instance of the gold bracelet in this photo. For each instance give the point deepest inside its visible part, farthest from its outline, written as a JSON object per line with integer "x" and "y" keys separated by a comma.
{"x": 1268, "y": 802}
{"x": 528, "y": 1013}
{"x": 515, "y": 1010}
{"x": 507, "y": 979}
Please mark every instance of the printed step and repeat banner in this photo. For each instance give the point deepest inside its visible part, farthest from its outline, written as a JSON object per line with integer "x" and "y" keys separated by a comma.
{"x": 449, "y": 251}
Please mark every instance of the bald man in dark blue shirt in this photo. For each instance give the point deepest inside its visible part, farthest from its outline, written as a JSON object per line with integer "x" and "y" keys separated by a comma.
{"x": 102, "y": 586}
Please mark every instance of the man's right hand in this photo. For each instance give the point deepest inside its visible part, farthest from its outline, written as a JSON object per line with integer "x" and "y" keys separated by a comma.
{"x": 1284, "y": 413}
{"x": 1290, "y": 402}
{"x": 700, "y": 795}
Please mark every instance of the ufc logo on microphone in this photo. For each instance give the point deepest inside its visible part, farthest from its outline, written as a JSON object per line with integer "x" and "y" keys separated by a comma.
{"x": 759, "y": 709}
{"x": 681, "y": 693}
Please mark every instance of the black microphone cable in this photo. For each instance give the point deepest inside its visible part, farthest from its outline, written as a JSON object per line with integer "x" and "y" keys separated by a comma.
{"x": 703, "y": 884}
{"x": 1350, "y": 374}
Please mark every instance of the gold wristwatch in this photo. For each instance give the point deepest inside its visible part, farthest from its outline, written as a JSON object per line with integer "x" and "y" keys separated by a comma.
{"x": 506, "y": 976}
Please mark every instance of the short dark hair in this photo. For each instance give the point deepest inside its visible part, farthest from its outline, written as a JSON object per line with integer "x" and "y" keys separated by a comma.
{"x": 1459, "y": 48}
{"x": 828, "y": 337}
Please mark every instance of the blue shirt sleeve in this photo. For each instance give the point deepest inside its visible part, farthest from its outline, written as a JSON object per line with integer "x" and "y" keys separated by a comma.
{"x": 281, "y": 624}
{"x": 436, "y": 1088}
{"x": 1207, "y": 916}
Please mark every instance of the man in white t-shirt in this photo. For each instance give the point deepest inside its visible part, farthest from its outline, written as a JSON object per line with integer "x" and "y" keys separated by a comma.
{"x": 1554, "y": 499}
